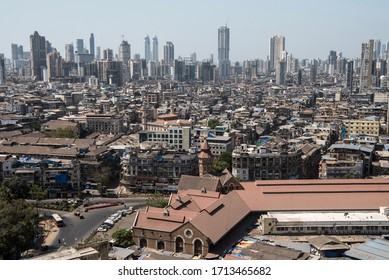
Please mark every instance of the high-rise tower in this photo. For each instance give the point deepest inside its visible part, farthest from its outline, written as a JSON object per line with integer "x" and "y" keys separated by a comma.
{"x": 365, "y": 81}
{"x": 168, "y": 53}
{"x": 3, "y": 80}
{"x": 377, "y": 49}
{"x": 38, "y": 55}
{"x": 69, "y": 52}
{"x": 125, "y": 52}
{"x": 155, "y": 49}
{"x": 92, "y": 45}
{"x": 350, "y": 75}
{"x": 224, "y": 52}
{"x": 147, "y": 49}
{"x": 276, "y": 47}
{"x": 108, "y": 54}
{"x": 80, "y": 46}
{"x": 54, "y": 64}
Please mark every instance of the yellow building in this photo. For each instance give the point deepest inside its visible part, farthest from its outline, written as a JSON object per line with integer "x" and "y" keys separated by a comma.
{"x": 361, "y": 126}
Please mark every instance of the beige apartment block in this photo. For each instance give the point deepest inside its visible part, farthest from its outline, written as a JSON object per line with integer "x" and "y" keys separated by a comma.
{"x": 354, "y": 127}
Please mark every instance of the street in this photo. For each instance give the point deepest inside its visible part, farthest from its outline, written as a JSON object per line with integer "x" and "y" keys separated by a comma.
{"x": 77, "y": 230}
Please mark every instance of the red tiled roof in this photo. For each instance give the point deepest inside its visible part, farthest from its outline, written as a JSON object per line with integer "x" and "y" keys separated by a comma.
{"x": 154, "y": 219}
{"x": 218, "y": 219}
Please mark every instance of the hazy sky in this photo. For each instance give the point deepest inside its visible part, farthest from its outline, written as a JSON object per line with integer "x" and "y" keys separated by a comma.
{"x": 311, "y": 27}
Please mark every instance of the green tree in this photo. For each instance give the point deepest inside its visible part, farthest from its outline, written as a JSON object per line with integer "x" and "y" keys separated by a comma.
{"x": 19, "y": 226}
{"x": 212, "y": 123}
{"x": 16, "y": 188}
{"x": 226, "y": 157}
{"x": 123, "y": 237}
{"x": 218, "y": 166}
{"x": 37, "y": 192}
{"x": 223, "y": 162}
{"x": 157, "y": 200}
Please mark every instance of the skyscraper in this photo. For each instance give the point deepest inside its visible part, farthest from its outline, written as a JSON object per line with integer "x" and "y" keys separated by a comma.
{"x": 125, "y": 52}
{"x": 98, "y": 53}
{"x": 332, "y": 58}
{"x": 2, "y": 72}
{"x": 281, "y": 72}
{"x": 69, "y": 52}
{"x": 108, "y": 55}
{"x": 80, "y": 46}
{"x": 276, "y": 47}
{"x": 313, "y": 71}
{"x": 38, "y": 55}
{"x": 54, "y": 65}
{"x": 155, "y": 49}
{"x": 224, "y": 52}
{"x": 147, "y": 49}
{"x": 92, "y": 45}
{"x": 14, "y": 52}
{"x": 350, "y": 75}
{"x": 168, "y": 53}
{"x": 377, "y": 49}
{"x": 365, "y": 81}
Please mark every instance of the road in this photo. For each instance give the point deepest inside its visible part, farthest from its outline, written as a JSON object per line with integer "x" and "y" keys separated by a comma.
{"x": 76, "y": 229}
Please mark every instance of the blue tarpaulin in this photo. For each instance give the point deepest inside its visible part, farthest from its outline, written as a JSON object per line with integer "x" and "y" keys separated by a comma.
{"x": 61, "y": 178}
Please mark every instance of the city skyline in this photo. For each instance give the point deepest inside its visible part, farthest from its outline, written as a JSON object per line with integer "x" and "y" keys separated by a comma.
{"x": 311, "y": 29}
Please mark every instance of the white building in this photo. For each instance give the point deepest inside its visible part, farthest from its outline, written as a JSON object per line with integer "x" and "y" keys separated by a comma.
{"x": 339, "y": 223}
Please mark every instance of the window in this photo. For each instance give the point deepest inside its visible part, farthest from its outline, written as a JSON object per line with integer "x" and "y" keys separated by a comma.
{"x": 160, "y": 245}
{"x": 179, "y": 245}
{"x": 188, "y": 233}
{"x": 198, "y": 247}
{"x": 143, "y": 243}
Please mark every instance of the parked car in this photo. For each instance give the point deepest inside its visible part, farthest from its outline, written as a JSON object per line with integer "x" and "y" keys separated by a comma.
{"x": 116, "y": 217}
{"x": 102, "y": 228}
{"x": 109, "y": 223}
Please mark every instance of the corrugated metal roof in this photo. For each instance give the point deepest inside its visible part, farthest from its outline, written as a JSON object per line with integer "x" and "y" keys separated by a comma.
{"x": 300, "y": 246}
{"x": 372, "y": 250}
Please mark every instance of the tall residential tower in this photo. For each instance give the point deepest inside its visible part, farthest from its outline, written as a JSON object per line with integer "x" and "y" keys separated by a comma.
{"x": 92, "y": 45}
{"x": 365, "y": 81}
{"x": 224, "y": 52}
{"x": 38, "y": 55}
{"x": 276, "y": 48}
{"x": 155, "y": 57}
{"x": 147, "y": 49}
{"x": 125, "y": 52}
{"x": 168, "y": 53}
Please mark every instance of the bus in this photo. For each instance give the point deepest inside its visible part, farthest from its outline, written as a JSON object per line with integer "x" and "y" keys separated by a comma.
{"x": 58, "y": 220}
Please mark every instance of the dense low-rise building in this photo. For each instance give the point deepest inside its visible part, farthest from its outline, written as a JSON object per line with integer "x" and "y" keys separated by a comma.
{"x": 346, "y": 161}
{"x": 104, "y": 123}
{"x": 266, "y": 162}
{"x": 177, "y": 137}
{"x": 146, "y": 170}
{"x": 361, "y": 126}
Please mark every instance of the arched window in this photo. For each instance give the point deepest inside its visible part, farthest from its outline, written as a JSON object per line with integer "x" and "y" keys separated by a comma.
{"x": 198, "y": 247}
{"x": 179, "y": 245}
{"x": 143, "y": 243}
{"x": 160, "y": 245}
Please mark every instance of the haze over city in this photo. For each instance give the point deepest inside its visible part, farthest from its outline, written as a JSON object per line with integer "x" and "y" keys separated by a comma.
{"x": 311, "y": 28}
{"x": 193, "y": 130}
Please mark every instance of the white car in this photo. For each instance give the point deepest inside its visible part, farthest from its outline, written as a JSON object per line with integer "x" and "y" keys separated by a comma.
{"x": 102, "y": 228}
